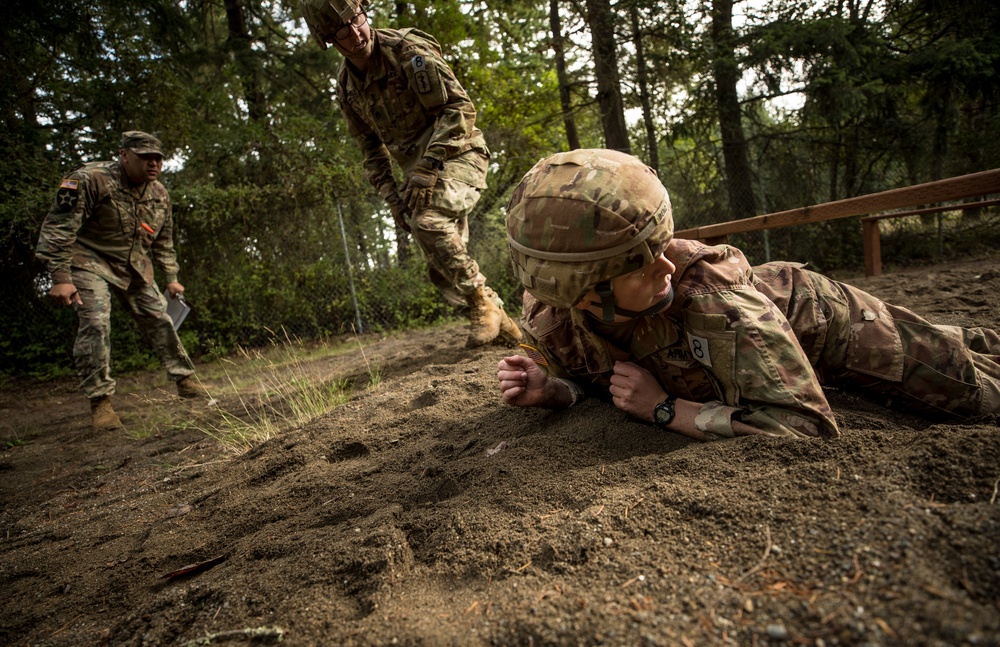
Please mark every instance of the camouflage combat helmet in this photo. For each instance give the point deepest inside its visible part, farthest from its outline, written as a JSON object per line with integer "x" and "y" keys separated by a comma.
{"x": 581, "y": 218}
{"x": 324, "y": 17}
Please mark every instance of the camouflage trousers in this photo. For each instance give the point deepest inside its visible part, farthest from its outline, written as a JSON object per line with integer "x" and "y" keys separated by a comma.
{"x": 92, "y": 350}
{"x": 442, "y": 232}
{"x": 946, "y": 370}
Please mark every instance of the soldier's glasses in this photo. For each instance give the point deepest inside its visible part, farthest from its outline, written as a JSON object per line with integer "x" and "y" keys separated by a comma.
{"x": 357, "y": 22}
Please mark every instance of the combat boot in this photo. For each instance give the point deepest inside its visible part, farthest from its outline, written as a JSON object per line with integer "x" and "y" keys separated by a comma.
{"x": 489, "y": 322}
{"x": 187, "y": 387}
{"x": 102, "y": 414}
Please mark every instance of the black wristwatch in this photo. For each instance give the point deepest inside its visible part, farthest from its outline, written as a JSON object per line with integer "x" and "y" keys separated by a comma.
{"x": 663, "y": 413}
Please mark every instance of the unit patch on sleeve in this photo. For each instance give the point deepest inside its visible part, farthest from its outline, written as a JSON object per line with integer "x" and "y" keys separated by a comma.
{"x": 68, "y": 195}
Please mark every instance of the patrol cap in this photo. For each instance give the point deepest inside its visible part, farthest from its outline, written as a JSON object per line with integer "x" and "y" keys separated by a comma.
{"x": 324, "y": 17}
{"x": 141, "y": 143}
{"x": 583, "y": 217}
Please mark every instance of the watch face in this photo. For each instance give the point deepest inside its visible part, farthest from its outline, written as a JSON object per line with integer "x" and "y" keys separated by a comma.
{"x": 664, "y": 412}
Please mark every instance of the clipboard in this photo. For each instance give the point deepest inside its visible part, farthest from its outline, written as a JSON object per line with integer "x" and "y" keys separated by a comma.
{"x": 178, "y": 310}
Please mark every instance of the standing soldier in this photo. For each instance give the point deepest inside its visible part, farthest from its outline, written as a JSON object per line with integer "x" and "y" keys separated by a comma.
{"x": 692, "y": 338}
{"x": 401, "y": 99}
{"x": 106, "y": 221}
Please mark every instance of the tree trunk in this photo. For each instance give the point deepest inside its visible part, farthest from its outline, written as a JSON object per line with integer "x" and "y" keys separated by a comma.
{"x": 739, "y": 180}
{"x": 564, "y": 97}
{"x": 246, "y": 61}
{"x": 642, "y": 78}
{"x": 601, "y": 21}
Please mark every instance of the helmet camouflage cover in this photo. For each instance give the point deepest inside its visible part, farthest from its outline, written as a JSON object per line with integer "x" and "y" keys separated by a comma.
{"x": 582, "y": 217}
{"x": 323, "y": 17}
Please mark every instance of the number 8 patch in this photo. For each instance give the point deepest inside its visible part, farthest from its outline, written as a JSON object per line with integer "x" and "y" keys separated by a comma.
{"x": 421, "y": 75}
{"x": 699, "y": 349}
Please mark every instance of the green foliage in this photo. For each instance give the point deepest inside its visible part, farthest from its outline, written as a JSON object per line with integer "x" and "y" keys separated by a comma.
{"x": 277, "y": 228}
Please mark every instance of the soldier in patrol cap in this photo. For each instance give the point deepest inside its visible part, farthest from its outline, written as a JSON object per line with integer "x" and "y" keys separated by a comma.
{"x": 402, "y": 102}
{"x": 110, "y": 223}
{"x": 692, "y": 338}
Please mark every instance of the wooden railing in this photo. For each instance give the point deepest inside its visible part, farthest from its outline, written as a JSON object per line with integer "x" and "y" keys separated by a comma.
{"x": 957, "y": 188}
{"x": 872, "y": 237}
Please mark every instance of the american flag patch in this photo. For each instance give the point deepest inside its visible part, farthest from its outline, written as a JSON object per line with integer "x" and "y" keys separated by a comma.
{"x": 70, "y": 184}
{"x": 534, "y": 355}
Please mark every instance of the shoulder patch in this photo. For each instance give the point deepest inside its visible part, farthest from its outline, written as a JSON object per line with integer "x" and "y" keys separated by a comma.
{"x": 68, "y": 195}
{"x": 422, "y": 75}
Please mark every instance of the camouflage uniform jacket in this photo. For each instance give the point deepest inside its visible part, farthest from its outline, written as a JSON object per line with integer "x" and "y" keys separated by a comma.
{"x": 753, "y": 344}
{"x": 409, "y": 105}
{"x": 101, "y": 224}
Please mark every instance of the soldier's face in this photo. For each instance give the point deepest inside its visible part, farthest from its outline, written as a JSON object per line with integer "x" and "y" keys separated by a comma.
{"x": 354, "y": 40}
{"x": 636, "y": 290}
{"x": 141, "y": 168}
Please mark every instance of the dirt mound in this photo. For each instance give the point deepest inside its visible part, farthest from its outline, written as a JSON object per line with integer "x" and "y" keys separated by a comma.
{"x": 427, "y": 512}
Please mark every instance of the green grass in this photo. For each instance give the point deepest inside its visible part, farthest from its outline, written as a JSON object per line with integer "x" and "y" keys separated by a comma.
{"x": 257, "y": 394}
{"x": 275, "y": 389}
{"x": 374, "y": 373}
{"x": 16, "y": 434}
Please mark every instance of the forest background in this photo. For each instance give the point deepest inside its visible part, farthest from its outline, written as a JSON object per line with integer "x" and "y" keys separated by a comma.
{"x": 741, "y": 108}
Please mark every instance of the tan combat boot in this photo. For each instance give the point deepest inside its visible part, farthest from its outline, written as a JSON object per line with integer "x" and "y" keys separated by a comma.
{"x": 187, "y": 387}
{"x": 102, "y": 415}
{"x": 488, "y": 321}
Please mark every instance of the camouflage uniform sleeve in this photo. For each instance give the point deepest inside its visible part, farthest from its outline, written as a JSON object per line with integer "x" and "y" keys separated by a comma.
{"x": 539, "y": 354}
{"x": 377, "y": 163}
{"x": 162, "y": 249}
{"x": 440, "y": 93}
{"x": 764, "y": 375}
{"x": 536, "y": 312}
{"x": 72, "y": 205}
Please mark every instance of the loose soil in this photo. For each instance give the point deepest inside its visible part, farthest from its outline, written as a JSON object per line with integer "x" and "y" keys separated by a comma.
{"x": 426, "y": 512}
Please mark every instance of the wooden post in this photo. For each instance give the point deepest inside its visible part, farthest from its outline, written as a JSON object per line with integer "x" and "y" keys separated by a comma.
{"x": 871, "y": 238}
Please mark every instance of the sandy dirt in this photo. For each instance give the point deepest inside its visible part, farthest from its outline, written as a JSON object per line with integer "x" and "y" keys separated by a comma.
{"x": 426, "y": 512}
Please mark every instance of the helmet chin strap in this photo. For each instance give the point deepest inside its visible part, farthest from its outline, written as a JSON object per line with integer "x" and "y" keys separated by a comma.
{"x": 609, "y": 309}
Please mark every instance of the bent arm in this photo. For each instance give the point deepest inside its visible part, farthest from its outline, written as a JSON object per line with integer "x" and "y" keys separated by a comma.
{"x": 440, "y": 93}
{"x": 162, "y": 248}
{"x": 635, "y": 391}
{"x": 524, "y": 384}
{"x": 765, "y": 377}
